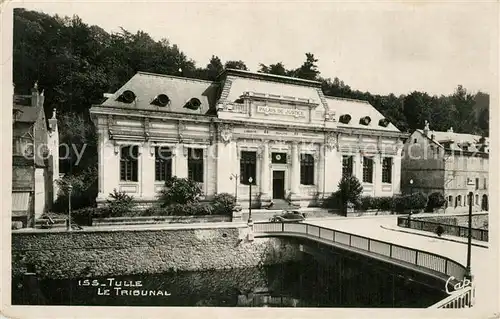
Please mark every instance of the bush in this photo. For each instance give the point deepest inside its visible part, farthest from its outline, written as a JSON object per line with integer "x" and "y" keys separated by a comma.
{"x": 333, "y": 201}
{"x": 366, "y": 203}
{"x": 439, "y": 230}
{"x": 179, "y": 191}
{"x": 121, "y": 204}
{"x": 415, "y": 201}
{"x": 223, "y": 204}
{"x": 436, "y": 200}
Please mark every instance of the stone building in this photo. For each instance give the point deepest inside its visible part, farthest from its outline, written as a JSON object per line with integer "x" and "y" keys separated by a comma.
{"x": 283, "y": 132}
{"x": 35, "y": 158}
{"x": 453, "y": 164}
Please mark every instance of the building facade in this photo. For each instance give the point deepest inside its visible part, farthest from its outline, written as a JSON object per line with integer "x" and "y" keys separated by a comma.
{"x": 283, "y": 133}
{"x": 453, "y": 164}
{"x": 35, "y": 158}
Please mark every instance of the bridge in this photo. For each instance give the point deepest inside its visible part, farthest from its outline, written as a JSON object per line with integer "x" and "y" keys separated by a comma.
{"x": 414, "y": 254}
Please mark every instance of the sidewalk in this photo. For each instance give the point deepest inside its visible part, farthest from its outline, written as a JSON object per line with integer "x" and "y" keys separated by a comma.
{"x": 455, "y": 239}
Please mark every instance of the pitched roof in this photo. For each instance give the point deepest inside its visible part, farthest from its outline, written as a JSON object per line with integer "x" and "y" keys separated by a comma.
{"x": 456, "y": 139}
{"x": 147, "y": 86}
{"x": 240, "y": 85}
{"x": 358, "y": 109}
{"x": 26, "y": 114}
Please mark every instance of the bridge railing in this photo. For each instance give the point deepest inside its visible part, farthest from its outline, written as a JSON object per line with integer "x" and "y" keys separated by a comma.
{"x": 460, "y": 299}
{"x": 454, "y": 230}
{"x": 416, "y": 257}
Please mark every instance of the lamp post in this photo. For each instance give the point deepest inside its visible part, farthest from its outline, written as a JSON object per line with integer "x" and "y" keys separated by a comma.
{"x": 468, "y": 274}
{"x": 70, "y": 188}
{"x": 411, "y": 193}
{"x": 250, "y": 180}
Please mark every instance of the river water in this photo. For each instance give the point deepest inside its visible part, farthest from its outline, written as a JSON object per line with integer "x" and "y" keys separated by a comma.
{"x": 337, "y": 280}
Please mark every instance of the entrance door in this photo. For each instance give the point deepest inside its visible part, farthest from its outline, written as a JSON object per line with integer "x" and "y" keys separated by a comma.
{"x": 278, "y": 184}
{"x": 484, "y": 203}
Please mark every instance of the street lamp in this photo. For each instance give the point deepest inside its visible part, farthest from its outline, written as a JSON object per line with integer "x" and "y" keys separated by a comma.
{"x": 411, "y": 193}
{"x": 250, "y": 180}
{"x": 468, "y": 274}
{"x": 70, "y": 188}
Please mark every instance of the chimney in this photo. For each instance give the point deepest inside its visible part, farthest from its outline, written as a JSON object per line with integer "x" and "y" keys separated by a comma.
{"x": 426, "y": 128}
{"x": 34, "y": 95}
{"x": 450, "y": 130}
{"x": 53, "y": 145}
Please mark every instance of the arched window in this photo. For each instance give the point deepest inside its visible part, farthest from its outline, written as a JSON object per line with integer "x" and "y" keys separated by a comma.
{"x": 126, "y": 97}
{"x": 345, "y": 119}
{"x": 161, "y": 100}
{"x": 458, "y": 201}
{"x": 193, "y": 104}
{"x": 383, "y": 122}
{"x": 365, "y": 120}
{"x": 477, "y": 200}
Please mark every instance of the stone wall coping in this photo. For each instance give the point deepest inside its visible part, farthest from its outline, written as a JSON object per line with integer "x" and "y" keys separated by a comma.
{"x": 133, "y": 228}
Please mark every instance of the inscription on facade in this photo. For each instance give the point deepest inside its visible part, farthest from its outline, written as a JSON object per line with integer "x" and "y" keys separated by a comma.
{"x": 269, "y": 110}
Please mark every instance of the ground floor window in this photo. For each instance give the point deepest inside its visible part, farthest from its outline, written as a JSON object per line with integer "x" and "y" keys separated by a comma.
{"x": 129, "y": 163}
{"x": 367, "y": 170}
{"x": 306, "y": 169}
{"x": 195, "y": 164}
{"x": 387, "y": 170}
{"x": 477, "y": 199}
{"x": 163, "y": 163}
{"x": 248, "y": 167}
{"x": 347, "y": 165}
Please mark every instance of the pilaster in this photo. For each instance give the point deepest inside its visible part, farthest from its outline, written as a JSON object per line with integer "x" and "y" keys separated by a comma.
{"x": 295, "y": 174}
{"x": 148, "y": 170}
{"x": 265, "y": 176}
{"x": 181, "y": 165}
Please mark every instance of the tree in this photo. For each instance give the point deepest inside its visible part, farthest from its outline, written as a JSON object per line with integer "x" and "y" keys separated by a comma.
{"x": 308, "y": 70}
{"x": 238, "y": 65}
{"x": 416, "y": 108}
{"x": 214, "y": 68}
{"x": 276, "y": 69}
{"x": 349, "y": 191}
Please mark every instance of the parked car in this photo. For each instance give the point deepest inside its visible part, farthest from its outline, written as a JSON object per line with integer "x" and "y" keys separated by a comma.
{"x": 288, "y": 216}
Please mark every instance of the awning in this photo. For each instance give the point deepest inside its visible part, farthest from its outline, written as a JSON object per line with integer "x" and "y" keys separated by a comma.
{"x": 20, "y": 203}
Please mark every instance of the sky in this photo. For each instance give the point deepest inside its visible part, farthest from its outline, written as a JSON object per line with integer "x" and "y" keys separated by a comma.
{"x": 383, "y": 47}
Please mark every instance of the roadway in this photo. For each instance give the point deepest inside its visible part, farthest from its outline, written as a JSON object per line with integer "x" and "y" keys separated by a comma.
{"x": 483, "y": 260}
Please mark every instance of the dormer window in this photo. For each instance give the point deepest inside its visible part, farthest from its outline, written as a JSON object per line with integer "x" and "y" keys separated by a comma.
{"x": 345, "y": 119}
{"x": 161, "y": 100}
{"x": 383, "y": 122}
{"x": 365, "y": 120}
{"x": 126, "y": 97}
{"x": 193, "y": 104}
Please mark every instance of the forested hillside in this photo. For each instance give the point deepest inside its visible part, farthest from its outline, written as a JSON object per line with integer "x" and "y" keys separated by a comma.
{"x": 76, "y": 63}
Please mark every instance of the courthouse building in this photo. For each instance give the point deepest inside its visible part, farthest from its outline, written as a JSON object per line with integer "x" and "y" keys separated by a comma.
{"x": 292, "y": 140}
{"x": 453, "y": 164}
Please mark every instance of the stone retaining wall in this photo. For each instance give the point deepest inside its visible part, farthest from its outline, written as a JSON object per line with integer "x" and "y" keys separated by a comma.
{"x": 98, "y": 252}
{"x": 479, "y": 221}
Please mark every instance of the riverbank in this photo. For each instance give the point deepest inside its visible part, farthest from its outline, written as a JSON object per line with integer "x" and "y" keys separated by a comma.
{"x": 110, "y": 251}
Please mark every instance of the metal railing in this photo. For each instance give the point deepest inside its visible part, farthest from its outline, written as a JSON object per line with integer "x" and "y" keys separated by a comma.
{"x": 460, "y": 299}
{"x": 434, "y": 263}
{"x": 453, "y": 230}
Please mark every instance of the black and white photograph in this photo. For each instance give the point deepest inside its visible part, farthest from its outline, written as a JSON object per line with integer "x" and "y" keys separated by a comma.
{"x": 321, "y": 158}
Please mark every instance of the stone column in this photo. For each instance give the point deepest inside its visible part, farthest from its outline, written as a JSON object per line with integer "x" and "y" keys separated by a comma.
{"x": 226, "y": 156}
{"x": 147, "y": 171}
{"x": 358, "y": 166}
{"x": 332, "y": 170}
{"x": 396, "y": 173}
{"x": 295, "y": 176}
{"x": 377, "y": 178}
{"x": 181, "y": 165}
{"x": 264, "y": 170}
{"x": 109, "y": 167}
